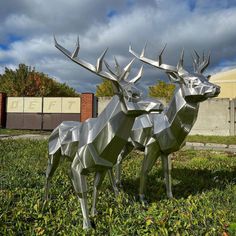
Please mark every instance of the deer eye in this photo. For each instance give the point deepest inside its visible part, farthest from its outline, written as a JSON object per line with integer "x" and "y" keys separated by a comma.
{"x": 135, "y": 95}
{"x": 195, "y": 82}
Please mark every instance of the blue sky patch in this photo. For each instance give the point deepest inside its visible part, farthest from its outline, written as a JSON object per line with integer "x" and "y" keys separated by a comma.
{"x": 224, "y": 62}
{"x": 11, "y": 38}
{"x": 192, "y": 4}
{"x": 4, "y": 47}
{"x": 14, "y": 38}
{"x": 112, "y": 13}
{"x": 5, "y": 61}
{"x": 130, "y": 3}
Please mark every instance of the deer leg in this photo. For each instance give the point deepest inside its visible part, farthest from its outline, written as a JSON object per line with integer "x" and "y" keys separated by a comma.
{"x": 150, "y": 156}
{"x": 99, "y": 177}
{"x": 53, "y": 162}
{"x": 80, "y": 185}
{"x": 166, "y": 163}
{"x": 118, "y": 170}
{"x": 84, "y": 207}
{"x": 125, "y": 151}
{"x": 113, "y": 182}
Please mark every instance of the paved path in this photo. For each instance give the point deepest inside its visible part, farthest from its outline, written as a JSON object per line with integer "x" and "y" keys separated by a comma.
{"x": 24, "y": 136}
{"x": 188, "y": 146}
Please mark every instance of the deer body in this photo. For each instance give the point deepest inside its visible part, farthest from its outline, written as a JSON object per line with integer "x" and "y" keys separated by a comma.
{"x": 110, "y": 131}
{"x": 173, "y": 124}
{"x": 93, "y": 146}
{"x": 165, "y": 132}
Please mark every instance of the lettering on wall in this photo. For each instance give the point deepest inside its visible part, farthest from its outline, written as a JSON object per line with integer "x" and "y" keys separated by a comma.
{"x": 70, "y": 105}
{"x": 15, "y": 104}
{"x": 45, "y": 105}
{"x": 51, "y": 105}
{"x": 61, "y": 105}
{"x": 24, "y": 104}
{"x": 33, "y": 104}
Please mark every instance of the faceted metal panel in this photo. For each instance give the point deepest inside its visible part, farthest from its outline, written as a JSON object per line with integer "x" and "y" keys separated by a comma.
{"x": 159, "y": 135}
{"x": 93, "y": 146}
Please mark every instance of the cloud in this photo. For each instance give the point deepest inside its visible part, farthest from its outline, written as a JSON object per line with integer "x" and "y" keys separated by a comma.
{"x": 27, "y": 28}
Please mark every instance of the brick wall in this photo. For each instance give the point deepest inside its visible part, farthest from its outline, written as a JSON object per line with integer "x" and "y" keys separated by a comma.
{"x": 87, "y": 106}
{"x": 2, "y": 109}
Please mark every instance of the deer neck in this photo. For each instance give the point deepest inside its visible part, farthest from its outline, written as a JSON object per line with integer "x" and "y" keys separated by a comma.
{"x": 112, "y": 130}
{"x": 115, "y": 117}
{"x": 181, "y": 115}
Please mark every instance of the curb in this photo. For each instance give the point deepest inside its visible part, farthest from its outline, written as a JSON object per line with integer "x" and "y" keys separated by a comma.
{"x": 209, "y": 146}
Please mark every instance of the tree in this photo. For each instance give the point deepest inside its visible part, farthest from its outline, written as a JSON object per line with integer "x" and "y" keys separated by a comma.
{"x": 105, "y": 89}
{"x": 162, "y": 90}
{"x": 25, "y": 81}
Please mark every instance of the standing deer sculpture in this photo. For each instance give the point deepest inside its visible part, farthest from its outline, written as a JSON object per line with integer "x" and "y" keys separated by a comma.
{"x": 94, "y": 145}
{"x": 164, "y": 133}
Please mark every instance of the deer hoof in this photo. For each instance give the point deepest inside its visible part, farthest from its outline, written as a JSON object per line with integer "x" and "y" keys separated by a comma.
{"x": 170, "y": 195}
{"x": 120, "y": 185}
{"x": 143, "y": 201}
{"x": 87, "y": 225}
{"x": 94, "y": 212}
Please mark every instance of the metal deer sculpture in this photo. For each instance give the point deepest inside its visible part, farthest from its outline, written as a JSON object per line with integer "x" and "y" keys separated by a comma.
{"x": 164, "y": 133}
{"x": 94, "y": 145}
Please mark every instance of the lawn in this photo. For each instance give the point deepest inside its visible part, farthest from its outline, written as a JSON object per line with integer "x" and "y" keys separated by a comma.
{"x": 212, "y": 139}
{"x": 204, "y": 187}
{"x": 190, "y": 138}
{"x": 22, "y": 131}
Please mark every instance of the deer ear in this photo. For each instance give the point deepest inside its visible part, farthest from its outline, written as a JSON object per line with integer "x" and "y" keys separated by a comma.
{"x": 174, "y": 77}
{"x": 208, "y": 77}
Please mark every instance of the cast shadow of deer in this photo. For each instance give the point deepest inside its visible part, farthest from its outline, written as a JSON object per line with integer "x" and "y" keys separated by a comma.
{"x": 94, "y": 145}
{"x": 160, "y": 134}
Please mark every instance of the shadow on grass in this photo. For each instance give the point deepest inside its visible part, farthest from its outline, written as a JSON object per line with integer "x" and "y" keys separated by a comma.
{"x": 185, "y": 182}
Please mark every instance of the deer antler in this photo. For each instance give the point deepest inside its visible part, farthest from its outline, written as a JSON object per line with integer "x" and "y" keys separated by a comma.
{"x": 122, "y": 74}
{"x": 157, "y": 63}
{"x": 199, "y": 66}
{"x": 95, "y": 69}
{"x": 116, "y": 78}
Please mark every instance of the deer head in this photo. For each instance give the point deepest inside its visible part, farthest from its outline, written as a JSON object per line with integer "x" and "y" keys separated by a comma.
{"x": 195, "y": 86}
{"x": 130, "y": 96}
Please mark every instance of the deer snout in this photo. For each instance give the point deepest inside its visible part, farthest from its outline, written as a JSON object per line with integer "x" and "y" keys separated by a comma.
{"x": 217, "y": 90}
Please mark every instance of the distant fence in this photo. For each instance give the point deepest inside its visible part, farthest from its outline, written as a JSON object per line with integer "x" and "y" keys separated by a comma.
{"x": 44, "y": 113}
{"x": 216, "y": 116}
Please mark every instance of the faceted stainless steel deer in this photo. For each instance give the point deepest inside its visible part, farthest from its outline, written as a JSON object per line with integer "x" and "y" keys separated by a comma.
{"x": 94, "y": 145}
{"x": 164, "y": 133}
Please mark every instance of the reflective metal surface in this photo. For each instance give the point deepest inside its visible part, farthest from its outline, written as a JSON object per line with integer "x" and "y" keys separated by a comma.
{"x": 94, "y": 145}
{"x": 159, "y": 135}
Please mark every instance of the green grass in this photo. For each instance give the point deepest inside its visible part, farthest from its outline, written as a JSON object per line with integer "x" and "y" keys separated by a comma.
{"x": 212, "y": 139}
{"x": 21, "y": 131}
{"x": 204, "y": 186}
{"x": 191, "y": 138}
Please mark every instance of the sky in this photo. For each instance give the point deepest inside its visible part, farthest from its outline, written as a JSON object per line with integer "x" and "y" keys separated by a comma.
{"x": 27, "y": 28}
